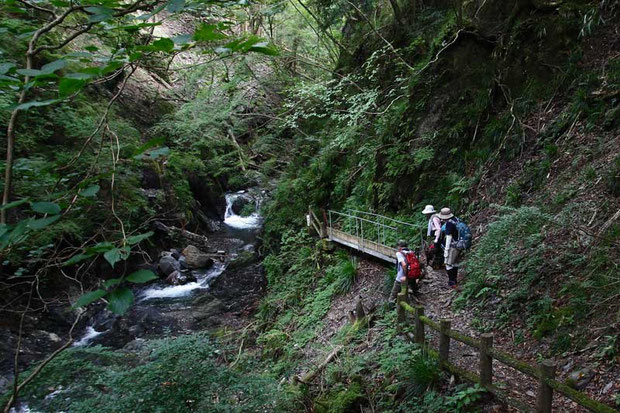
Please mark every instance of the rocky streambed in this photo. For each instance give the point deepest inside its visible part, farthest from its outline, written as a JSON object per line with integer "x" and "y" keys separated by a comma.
{"x": 200, "y": 287}
{"x": 197, "y": 289}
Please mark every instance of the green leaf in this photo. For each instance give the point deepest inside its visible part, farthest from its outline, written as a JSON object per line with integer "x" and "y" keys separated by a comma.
{"x": 77, "y": 258}
{"x": 69, "y": 86}
{"x": 5, "y": 67}
{"x": 115, "y": 255}
{"x": 154, "y": 154}
{"x": 112, "y": 256}
{"x": 99, "y": 14}
{"x": 264, "y": 48}
{"x": 36, "y": 103}
{"x": 53, "y": 66}
{"x": 182, "y": 39}
{"x": 135, "y": 56}
{"x": 14, "y": 204}
{"x": 111, "y": 67}
{"x": 175, "y": 6}
{"x": 208, "y": 33}
{"x": 100, "y": 247}
{"x": 120, "y": 300}
{"x": 141, "y": 276}
{"x": 43, "y": 222}
{"x": 29, "y": 72}
{"x": 80, "y": 76}
{"x": 112, "y": 282}
{"x": 134, "y": 239}
{"x": 90, "y": 297}
{"x": 148, "y": 145}
{"x": 163, "y": 45}
{"x": 45, "y": 207}
{"x": 90, "y": 191}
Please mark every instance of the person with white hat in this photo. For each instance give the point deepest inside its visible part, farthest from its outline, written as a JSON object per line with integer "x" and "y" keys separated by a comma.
{"x": 433, "y": 254}
{"x": 434, "y": 223}
{"x": 450, "y": 252}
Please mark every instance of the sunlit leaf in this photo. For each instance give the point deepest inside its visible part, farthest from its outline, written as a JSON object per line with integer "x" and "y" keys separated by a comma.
{"x": 208, "y": 33}
{"x": 164, "y": 45}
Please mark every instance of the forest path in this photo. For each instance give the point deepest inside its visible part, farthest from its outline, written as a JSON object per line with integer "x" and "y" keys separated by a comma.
{"x": 437, "y": 299}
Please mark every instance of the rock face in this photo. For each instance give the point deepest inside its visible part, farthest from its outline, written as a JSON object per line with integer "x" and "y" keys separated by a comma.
{"x": 180, "y": 278}
{"x": 167, "y": 265}
{"x": 196, "y": 259}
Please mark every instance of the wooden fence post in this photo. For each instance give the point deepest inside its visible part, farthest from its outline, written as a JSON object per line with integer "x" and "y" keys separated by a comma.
{"x": 444, "y": 341}
{"x": 486, "y": 360}
{"x": 419, "y": 325}
{"x": 400, "y": 311}
{"x": 545, "y": 392}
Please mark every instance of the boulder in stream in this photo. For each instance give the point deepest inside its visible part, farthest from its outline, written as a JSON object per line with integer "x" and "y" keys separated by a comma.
{"x": 180, "y": 278}
{"x": 196, "y": 259}
{"x": 167, "y": 265}
{"x": 240, "y": 201}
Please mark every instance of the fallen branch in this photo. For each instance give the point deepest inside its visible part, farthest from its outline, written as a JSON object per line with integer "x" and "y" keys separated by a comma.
{"x": 308, "y": 377}
{"x": 608, "y": 223}
{"x": 175, "y": 233}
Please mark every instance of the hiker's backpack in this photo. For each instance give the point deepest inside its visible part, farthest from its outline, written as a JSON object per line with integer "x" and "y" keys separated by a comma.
{"x": 464, "y": 241}
{"x": 414, "y": 269}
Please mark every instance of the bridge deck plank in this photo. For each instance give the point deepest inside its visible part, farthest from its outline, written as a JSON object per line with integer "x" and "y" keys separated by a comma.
{"x": 375, "y": 249}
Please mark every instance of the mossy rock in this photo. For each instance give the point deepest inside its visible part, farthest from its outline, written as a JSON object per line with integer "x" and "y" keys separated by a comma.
{"x": 244, "y": 259}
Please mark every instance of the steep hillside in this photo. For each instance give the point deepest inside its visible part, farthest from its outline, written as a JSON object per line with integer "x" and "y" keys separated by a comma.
{"x": 507, "y": 111}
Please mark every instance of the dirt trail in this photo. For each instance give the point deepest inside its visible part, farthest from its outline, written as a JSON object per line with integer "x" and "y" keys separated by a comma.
{"x": 437, "y": 299}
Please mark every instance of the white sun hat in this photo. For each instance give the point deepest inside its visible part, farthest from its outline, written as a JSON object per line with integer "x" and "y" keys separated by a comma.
{"x": 429, "y": 209}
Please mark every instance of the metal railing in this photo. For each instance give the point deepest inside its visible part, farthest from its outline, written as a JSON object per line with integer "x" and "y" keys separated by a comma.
{"x": 354, "y": 225}
{"x": 370, "y": 227}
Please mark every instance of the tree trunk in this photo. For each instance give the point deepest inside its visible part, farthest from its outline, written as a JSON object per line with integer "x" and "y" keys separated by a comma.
{"x": 398, "y": 15}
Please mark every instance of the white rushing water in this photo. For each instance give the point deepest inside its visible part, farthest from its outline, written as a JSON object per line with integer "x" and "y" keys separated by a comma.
{"x": 87, "y": 337}
{"x": 237, "y": 221}
{"x": 175, "y": 291}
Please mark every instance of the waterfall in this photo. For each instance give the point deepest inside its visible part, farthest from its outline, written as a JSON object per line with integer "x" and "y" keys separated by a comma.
{"x": 237, "y": 221}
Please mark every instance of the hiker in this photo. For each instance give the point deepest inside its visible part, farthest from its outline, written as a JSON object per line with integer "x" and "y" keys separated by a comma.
{"x": 457, "y": 239}
{"x": 401, "y": 268}
{"x": 450, "y": 236}
{"x": 407, "y": 267}
{"x": 433, "y": 251}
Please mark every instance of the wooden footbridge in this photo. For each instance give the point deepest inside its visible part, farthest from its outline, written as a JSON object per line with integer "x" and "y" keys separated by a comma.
{"x": 366, "y": 232}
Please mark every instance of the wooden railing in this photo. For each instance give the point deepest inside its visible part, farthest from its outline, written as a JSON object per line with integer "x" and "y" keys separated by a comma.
{"x": 544, "y": 372}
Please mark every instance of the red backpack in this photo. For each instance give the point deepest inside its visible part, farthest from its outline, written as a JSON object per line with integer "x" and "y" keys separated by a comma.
{"x": 414, "y": 269}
